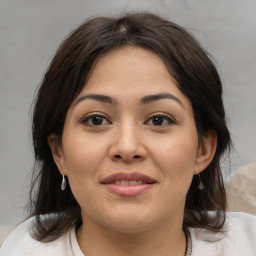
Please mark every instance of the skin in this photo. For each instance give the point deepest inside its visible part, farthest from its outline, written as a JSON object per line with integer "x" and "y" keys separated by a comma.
{"x": 126, "y": 136}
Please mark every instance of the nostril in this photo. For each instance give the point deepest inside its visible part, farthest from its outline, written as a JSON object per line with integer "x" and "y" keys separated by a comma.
{"x": 127, "y": 158}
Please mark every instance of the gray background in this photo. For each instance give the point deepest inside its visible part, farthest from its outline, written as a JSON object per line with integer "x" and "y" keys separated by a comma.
{"x": 30, "y": 32}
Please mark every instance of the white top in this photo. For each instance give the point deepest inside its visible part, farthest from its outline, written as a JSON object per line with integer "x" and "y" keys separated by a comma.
{"x": 238, "y": 240}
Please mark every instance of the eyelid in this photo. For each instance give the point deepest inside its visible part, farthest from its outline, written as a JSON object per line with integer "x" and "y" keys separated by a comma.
{"x": 86, "y": 117}
{"x": 161, "y": 114}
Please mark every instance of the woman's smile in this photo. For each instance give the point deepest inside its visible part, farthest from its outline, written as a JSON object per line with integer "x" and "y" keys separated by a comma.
{"x": 128, "y": 183}
{"x": 130, "y": 140}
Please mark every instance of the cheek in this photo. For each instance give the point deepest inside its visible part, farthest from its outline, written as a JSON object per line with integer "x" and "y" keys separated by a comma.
{"x": 83, "y": 160}
{"x": 82, "y": 157}
{"x": 175, "y": 157}
{"x": 176, "y": 150}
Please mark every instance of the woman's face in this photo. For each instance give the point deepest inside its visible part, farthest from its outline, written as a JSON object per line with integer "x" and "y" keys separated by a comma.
{"x": 130, "y": 146}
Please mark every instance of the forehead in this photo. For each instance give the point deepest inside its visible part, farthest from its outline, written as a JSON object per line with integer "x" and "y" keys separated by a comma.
{"x": 129, "y": 67}
{"x": 130, "y": 55}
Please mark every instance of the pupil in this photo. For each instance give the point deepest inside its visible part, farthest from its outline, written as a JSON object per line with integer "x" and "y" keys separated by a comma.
{"x": 158, "y": 120}
{"x": 97, "y": 120}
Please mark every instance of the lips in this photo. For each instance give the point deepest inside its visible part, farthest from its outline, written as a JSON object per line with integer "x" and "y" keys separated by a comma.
{"x": 128, "y": 184}
{"x": 128, "y": 178}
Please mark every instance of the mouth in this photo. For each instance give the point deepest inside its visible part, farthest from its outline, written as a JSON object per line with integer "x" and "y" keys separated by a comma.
{"x": 128, "y": 184}
{"x": 128, "y": 179}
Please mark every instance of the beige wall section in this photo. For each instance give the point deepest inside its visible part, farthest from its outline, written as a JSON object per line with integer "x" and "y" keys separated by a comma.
{"x": 241, "y": 190}
{"x": 30, "y": 31}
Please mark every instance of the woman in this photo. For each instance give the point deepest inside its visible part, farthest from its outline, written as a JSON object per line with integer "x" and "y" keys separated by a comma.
{"x": 129, "y": 129}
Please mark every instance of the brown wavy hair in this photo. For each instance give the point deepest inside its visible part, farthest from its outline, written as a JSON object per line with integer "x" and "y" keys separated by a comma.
{"x": 196, "y": 77}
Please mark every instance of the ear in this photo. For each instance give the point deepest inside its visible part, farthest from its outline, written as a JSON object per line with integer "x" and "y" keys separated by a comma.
{"x": 206, "y": 151}
{"x": 57, "y": 153}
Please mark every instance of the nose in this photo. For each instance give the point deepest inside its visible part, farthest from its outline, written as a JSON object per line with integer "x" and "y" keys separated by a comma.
{"x": 128, "y": 144}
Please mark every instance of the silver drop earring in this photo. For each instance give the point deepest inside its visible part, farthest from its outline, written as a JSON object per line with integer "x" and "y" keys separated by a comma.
{"x": 63, "y": 183}
{"x": 200, "y": 185}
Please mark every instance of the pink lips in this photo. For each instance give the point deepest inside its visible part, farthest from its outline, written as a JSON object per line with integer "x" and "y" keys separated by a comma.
{"x": 135, "y": 183}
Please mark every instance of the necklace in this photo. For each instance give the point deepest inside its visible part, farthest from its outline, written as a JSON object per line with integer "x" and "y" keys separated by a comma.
{"x": 186, "y": 231}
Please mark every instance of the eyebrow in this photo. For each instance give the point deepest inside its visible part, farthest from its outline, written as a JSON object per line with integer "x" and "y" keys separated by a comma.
{"x": 145, "y": 100}
{"x": 98, "y": 97}
{"x": 161, "y": 96}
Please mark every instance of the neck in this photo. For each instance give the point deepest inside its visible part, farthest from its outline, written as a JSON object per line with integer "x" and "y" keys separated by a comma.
{"x": 169, "y": 240}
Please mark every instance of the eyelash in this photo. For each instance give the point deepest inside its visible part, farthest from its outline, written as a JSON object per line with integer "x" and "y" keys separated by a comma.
{"x": 88, "y": 120}
{"x": 164, "y": 117}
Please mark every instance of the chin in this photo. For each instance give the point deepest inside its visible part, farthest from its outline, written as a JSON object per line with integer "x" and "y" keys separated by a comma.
{"x": 130, "y": 222}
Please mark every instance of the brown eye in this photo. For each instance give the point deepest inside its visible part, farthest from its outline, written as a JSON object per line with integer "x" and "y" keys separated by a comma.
{"x": 95, "y": 120}
{"x": 159, "y": 120}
